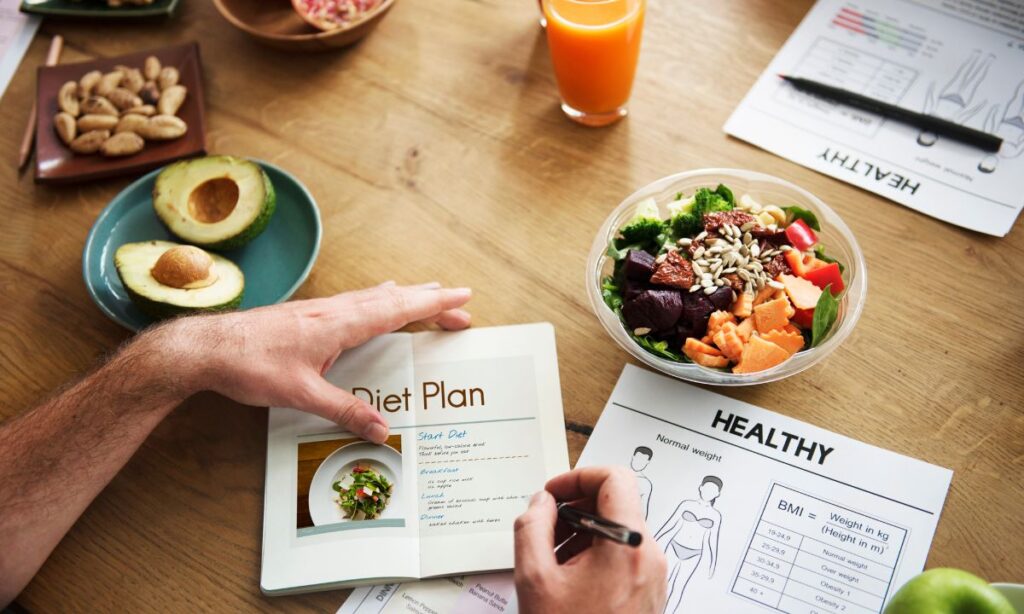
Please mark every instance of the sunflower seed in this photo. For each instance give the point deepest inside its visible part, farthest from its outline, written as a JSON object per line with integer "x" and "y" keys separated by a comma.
{"x": 719, "y": 282}
{"x": 702, "y": 235}
{"x": 705, "y": 275}
{"x": 747, "y": 238}
{"x": 776, "y": 284}
{"x": 785, "y": 248}
{"x": 694, "y": 288}
{"x": 731, "y": 269}
{"x": 697, "y": 254}
{"x": 710, "y": 290}
{"x": 684, "y": 241}
{"x": 640, "y": 332}
{"x": 660, "y": 259}
{"x": 744, "y": 275}
{"x": 748, "y": 226}
{"x": 707, "y": 283}
{"x": 702, "y": 261}
{"x": 755, "y": 250}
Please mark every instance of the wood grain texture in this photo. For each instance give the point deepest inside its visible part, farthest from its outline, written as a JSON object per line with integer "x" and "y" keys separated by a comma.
{"x": 437, "y": 152}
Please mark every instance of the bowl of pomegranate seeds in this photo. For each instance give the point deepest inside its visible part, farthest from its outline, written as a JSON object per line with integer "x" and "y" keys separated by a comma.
{"x": 305, "y": 25}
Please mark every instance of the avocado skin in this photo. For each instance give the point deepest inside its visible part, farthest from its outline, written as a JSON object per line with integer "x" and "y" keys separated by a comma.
{"x": 258, "y": 225}
{"x": 162, "y": 311}
{"x": 249, "y": 233}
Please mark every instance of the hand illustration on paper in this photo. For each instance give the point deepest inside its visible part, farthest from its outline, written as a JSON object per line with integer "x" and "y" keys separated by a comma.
{"x": 690, "y": 537}
{"x": 955, "y": 101}
{"x": 1009, "y": 126}
{"x": 641, "y": 458}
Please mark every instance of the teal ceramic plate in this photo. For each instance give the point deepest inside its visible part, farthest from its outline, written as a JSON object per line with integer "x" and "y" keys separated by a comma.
{"x": 97, "y": 9}
{"x": 275, "y": 263}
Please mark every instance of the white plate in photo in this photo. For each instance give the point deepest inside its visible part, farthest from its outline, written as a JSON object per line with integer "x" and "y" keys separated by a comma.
{"x": 384, "y": 459}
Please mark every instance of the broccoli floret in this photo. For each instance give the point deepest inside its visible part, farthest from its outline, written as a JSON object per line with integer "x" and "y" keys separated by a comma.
{"x": 689, "y": 219}
{"x": 646, "y": 224}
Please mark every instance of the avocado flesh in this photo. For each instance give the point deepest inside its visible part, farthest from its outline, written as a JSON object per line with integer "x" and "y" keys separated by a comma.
{"x": 134, "y": 261}
{"x": 177, "y": 184}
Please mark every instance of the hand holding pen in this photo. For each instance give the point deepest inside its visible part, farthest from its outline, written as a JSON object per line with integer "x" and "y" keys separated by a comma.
{"x": 631, "y": 577}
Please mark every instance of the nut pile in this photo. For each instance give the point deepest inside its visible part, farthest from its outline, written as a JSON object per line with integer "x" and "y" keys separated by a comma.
{"x": 734, "y": 250}
{"x": 114, "y": 114}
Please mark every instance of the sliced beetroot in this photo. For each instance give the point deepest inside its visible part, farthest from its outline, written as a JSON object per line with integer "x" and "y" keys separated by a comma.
{"x": 721, "y": 298}
{"x": 657, "y": 310}
{"x": 697, "y": 309}
{"x": 639, "y": 265}
{"x": 632, "y": 289}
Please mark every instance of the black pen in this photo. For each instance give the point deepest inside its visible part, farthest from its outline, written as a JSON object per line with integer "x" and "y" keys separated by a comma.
{"x": 595, "y": 525}
{"x": 931, "y": 123}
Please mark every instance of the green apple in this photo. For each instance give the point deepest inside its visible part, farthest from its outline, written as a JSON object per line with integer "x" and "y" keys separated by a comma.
{"x": 948, "y": 591}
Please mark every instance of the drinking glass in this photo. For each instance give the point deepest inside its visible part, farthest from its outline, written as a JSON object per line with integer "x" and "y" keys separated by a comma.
{"x": 594, "y": 46}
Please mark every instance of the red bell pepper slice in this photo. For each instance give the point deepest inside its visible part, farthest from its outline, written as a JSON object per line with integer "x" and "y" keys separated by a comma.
{"x": 826, "y": 275}
{"x": 801, "y": 235}
{"x": 804, "y": 318}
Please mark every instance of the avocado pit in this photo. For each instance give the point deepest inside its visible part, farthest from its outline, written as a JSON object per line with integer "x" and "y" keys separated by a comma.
{"x": 213, "y": 200}
{"x": 185, "y": 267}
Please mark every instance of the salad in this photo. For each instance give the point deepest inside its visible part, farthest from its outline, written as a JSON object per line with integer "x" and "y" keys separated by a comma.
{"x": 727, "y": 284}
{"x": 365, "y": 495}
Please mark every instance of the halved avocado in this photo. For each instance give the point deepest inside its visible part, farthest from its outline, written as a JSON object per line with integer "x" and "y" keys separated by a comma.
{"x": 216, "y": 202}
{"x": 165, "y": 279}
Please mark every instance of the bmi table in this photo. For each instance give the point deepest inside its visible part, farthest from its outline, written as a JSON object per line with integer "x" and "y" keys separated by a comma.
{"x": 437, "y": 152}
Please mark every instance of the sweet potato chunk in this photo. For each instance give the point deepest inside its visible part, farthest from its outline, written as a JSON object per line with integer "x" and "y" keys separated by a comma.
{"x": 745, "y": 329}
{"x": 729, "y": 341}
{"x": 789, "y": 341}
{"x": 718, "y": 318}
{"x": 759, "y": 355}
{"x": 695, "y": 346}
{"x": 743, "y": 306}
{"x": 802, "y": 293}
{"x": 771, "y": 315}
{"x": 707, "y": 360}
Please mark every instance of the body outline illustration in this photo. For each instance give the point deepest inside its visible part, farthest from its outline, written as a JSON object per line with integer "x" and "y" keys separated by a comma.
{"x": 689, "y": 537}
{"x": 642, "y": 456}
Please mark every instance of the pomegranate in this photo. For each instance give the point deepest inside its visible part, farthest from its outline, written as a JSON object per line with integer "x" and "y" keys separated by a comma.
{"x": 332, "y": 14}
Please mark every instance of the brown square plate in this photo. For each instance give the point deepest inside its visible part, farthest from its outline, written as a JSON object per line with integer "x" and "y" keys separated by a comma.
{"x": 55, "y": 163}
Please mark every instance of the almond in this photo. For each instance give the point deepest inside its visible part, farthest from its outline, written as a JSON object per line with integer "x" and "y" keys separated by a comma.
{"x": 171, "y": 100}
{"x": 122, "y": 144}
{"x": 146, "y": 109}
{"x": 67, "y": 98}
{"x": 65, "y": 126}
{"x": 88, "y": 123}
{"x": 88, "y": 82}
{"x": 163, "y": 128}
{"x": 150, "y": 93}
{"x": 131, "y": 123}
{"x": 90, "y": 142}
{"x": 108, "y": 82}
{"x": 168, "y": 77}
{"x": 151, "y": 68}
{"x": 124, "y": 99}
{"x": 132, "y": 80}
{"x": 99, "y": 106}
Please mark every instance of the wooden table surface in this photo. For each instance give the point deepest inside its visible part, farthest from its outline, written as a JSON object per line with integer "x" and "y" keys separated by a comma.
{"x": 436, "y": 151}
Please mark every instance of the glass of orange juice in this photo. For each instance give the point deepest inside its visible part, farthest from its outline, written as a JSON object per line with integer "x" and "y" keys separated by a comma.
{"x": 594, "y": 47}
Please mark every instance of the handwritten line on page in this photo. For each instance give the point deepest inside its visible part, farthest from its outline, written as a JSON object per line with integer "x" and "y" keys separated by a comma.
{"x": 752, "y": 509}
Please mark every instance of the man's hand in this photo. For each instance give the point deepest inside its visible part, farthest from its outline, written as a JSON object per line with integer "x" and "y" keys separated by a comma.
{"x": 270, "y": 356}
{"x": 276, "y": 356}
{"x": 597, "y": 575}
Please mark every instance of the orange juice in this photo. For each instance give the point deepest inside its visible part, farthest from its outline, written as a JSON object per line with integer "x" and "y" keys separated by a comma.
{"x": 594, "y": 47}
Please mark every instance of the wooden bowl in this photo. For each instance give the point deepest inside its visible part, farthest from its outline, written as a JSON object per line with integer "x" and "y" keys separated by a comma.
{"x": 276, "y": 23}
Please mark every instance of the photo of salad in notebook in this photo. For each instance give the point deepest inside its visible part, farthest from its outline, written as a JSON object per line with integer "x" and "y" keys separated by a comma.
{"x": 364, "y": 493}
{"x": 726, "y": 283}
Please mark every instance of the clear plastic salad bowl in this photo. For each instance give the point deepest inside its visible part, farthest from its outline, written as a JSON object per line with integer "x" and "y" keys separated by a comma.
{"x": 835, "y": 236}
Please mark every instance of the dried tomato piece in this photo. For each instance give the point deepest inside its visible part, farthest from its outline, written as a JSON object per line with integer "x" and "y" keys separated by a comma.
{"x": 714, "y": 221}
{"x": 674, "y": 271}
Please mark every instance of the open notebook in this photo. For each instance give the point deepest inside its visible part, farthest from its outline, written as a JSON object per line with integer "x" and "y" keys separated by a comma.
{"x": 476, "y": 428}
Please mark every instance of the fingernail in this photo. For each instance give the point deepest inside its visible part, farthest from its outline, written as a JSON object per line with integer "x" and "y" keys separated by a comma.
{"x": 539, "y": 497}
{"x": 462, "y": 292}
{"x": 433, "y": 285}
{"x": 376, "y": 433}
{"x": 387, "y": 283}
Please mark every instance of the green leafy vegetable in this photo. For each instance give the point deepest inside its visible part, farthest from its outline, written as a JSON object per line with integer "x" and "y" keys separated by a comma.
{"x": 825, "y": 313}
{"x": 659, "y": 348}
{"x": 796, "y": 213}
{"x": 611, "y": 294}
{"x": 819, "y": 253}
{"x": 618, "y": 249}
{"x": 726, "y": 195}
